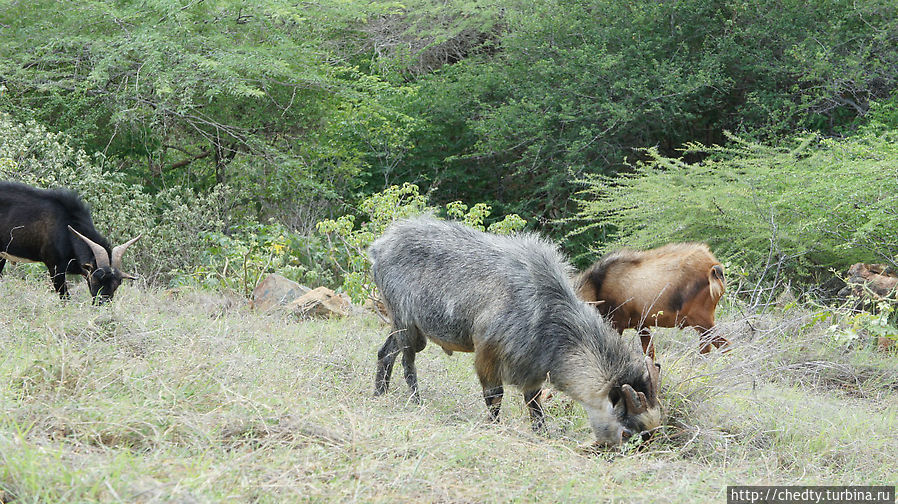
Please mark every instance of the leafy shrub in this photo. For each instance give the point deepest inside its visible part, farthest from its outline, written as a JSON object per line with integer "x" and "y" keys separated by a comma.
{"x": 798, "y": 209}
{"x": 348, "y": 245}
{"x": 882, "y": 116}
{"x": 850, "y": 326}
{"x": 173, "y": 222}
{"x": 239, "y": 260}
{"x": 574, "y": 86}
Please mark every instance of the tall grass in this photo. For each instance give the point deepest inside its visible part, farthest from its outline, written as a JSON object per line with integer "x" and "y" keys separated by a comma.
{"x": 190, "y": 397}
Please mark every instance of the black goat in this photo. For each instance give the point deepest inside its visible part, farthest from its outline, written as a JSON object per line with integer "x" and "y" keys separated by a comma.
{"x": 54, "y": 227}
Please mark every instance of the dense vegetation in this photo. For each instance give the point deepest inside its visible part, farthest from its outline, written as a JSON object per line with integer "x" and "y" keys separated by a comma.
{"x": 232, "y": 128}
{"x": 814, "y": 204}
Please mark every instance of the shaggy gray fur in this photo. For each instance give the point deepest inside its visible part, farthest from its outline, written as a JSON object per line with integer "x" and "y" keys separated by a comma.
{"x": 508, "y": 299}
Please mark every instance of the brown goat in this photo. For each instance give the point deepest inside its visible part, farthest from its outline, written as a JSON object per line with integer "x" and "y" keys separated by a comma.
{"x": 677, "y": 285}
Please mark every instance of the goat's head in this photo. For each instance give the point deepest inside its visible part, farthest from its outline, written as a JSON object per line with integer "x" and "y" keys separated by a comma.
{"x": 104, "y": 274}
{"x": 626, "y": 412}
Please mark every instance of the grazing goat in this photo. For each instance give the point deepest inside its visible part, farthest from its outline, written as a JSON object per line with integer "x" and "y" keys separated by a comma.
{"x": 54, "y": 227}
{"x": 508, "y": 300}
{"x": 677, "y": 285}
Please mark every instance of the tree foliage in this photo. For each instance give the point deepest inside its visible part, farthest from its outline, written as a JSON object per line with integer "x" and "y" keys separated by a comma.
{"x": 573, "y": 88}
{"x": 282, "y": 114}
{"x": 801, "y": 208}
{"x": 254, "y": 95}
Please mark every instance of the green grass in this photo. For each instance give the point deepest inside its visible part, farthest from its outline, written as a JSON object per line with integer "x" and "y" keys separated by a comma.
{"x": 191, "y": 397}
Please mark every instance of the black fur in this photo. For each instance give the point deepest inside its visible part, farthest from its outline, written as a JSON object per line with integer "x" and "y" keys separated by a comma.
{"x": 596, "y": 277}
{"x": 677, "y": 300}
{"x": 718, "y": 272}
{"x": 34, "y": 225}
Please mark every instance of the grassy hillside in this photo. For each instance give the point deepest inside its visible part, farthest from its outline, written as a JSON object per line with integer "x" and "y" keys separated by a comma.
{"x": 190, "y": 397}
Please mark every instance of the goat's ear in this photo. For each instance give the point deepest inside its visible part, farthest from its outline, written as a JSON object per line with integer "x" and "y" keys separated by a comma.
{"x": 88, "y": 268}
{"x": 614, "y": 395}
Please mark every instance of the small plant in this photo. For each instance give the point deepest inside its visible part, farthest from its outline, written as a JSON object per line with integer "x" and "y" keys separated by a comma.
{"x": 881, "y": 323}
{"x": 849, "y": 326}
{"x": 347, "y": 245}
{"x": 239, "y": 260}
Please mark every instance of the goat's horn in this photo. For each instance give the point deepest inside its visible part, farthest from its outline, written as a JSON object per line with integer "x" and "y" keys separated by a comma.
{"x": 119, "y": 251}
{"x": 634, "y": 403}
{"x": 100, "y": 254}
{"x": 654, "y": 377}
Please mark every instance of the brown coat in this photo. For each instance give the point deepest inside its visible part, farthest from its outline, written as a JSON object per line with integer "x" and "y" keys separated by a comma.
{"x": 677, "y": 285}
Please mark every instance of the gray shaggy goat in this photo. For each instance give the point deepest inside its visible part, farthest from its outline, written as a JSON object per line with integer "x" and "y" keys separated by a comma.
{"x": 508, "y": 300}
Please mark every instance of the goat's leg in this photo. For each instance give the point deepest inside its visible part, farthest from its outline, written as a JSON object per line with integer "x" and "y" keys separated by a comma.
{"x": 412, "y": 343}
{"x": 721, "y": 342}
{"x": 486, "y": 366}
{"x": 537, "y": 416}
{"x": 386, "y": 357}
{"x": 492, "y": 395}
{"x": 648, "y": 346}
{"x": 704, "y": 345}
{"x": 706, "y": 340}
{"x": 59, "y": 284}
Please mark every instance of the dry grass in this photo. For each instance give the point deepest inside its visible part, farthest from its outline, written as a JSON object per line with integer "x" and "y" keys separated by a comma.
{"x": 193, "y": 398}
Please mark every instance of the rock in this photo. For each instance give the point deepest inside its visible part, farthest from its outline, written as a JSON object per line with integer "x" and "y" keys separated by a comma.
{"x": 275, "y": 291}
{"x": 870, "y": 281}
{"x": 377, "y": 307}
{"x": 321, "y": 302}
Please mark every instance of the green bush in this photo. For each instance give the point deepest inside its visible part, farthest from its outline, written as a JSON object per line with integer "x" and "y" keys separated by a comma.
{"x": 882, "y": 116}
{"x": 239, "y": 260}
{"x": 572, "y": 87}
{"x": 172, "y": 222}
{"x": 799, "y": 209}
{"x": 348, "y": 244}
